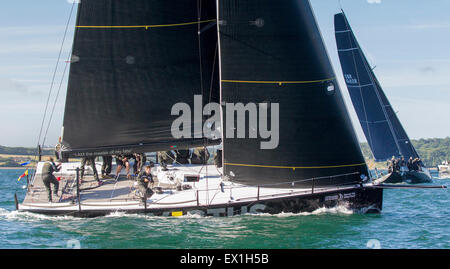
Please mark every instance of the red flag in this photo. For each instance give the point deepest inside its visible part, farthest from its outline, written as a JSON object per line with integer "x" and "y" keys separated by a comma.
{"x": 24, "y": 175}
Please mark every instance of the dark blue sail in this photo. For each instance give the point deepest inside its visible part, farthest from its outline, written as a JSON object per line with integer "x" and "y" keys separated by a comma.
{"x": 383, "y": 130}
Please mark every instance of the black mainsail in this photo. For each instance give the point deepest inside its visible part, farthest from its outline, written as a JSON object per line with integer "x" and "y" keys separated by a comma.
{"x": 272, "y": 52}
{"x": 383, "y": 130}
{"x": 132, "y": 61}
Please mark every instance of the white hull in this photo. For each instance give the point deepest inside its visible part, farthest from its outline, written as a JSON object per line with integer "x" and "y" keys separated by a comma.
{"x": 209, "y": 196}
{"x": 444, "y": 168}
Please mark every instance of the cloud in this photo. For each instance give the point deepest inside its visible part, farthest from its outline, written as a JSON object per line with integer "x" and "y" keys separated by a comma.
{"x": 430, "y": 26}
{"x": 27, "y": 31}
{"x": 428, "y": 70}
{"x": 17, "y": 90}
{"x": 374, "y": 1}
{"x": 10, "y": 86}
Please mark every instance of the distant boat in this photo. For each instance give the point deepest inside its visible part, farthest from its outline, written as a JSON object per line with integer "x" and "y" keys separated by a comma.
{"x": 134, "y": 60}
{"x": 444, "y": 168}
{"x": 382, "y": 128}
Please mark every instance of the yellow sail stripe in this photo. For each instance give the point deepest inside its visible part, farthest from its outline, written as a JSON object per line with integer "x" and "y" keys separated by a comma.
{"x": 144, "y": 26}
{"x": 295, "y": 167}
{"x": 278, "y": 82}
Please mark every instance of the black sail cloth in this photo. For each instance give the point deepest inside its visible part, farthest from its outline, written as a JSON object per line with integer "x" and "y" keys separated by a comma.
{"x": 381, "y": 126}
{"x": 272, "y": 52}
{"x": 132, "y": 61}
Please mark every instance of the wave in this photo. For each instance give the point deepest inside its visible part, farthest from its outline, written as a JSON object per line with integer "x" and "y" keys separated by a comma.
{"x": 121, "y": 214}
{"x": 30, "y": 217}
{"x": 337, "y": 210}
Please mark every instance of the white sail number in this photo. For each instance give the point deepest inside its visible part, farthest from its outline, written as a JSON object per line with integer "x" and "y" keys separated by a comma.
{"x": 349, "y": 79}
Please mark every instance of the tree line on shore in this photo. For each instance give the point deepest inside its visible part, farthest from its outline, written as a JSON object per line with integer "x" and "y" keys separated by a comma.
{"x": 432, "y": 151}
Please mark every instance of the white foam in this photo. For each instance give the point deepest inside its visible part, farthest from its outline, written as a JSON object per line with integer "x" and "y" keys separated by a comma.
{"x": 337, "y": 210}
{"x": 30, "y": 217}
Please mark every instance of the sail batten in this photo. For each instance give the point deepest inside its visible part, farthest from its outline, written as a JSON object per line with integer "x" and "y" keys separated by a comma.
{"x": 279, "y": 82}
{"x": 144, "y": 26}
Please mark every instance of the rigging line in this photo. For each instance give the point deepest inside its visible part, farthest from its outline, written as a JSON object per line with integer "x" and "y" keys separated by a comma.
{"x": 213, "y": 72}
{"x": 54, "y": 73}
{"x": 211, "y": 86}
{"x": 205, "y": 143}
{"x": 56, "y": 101}
{"x": 377, "y": 92}
{"x": 199, "y": 17}
{"x": 185, "y": 166}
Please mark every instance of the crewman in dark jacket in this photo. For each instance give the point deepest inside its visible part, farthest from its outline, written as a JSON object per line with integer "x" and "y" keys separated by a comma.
{"x": 402, "y": 162}
{"x": 89, "y": 161}
{"x": 218, "y": 158}
{"x": 416, "y": 164}
{"x": 145, "y": 177}
{"x": 200, "y": 156}
{"x": 48, "y": 178}
{"x": 165, "y": 158}
{"x": 106, "y": 166}
{"x": 139, "y": 161}
{"x": 410, "y": 164}
{"x": 391, "y": 165}
{"x": 183, "y": 156}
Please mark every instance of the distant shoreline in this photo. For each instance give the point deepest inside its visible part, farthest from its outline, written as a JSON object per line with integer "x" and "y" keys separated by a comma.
{"x": 15, "y": 168}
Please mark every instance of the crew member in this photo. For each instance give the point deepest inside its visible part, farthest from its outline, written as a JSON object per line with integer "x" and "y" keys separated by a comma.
{"x": 391, "y": 165}
{"x": 165, "y": 158}
{"x": 218, "y": 158}
{"x": 58, "y": 153}
{"x": 145, "y": 177}
{"x": 402, "y": 162}
{"x": 200, "y": 156}
{"x": 48, "y": 178}
{"x": 410, "y": 164}
{"x": 89, "y": 161}
{"x": 416, "y": 164}
{"x": 106, "y": 166}
{"x": 183, "y": 156}
{"x": 122, "y": 161}
{"x": 140, "y": 160}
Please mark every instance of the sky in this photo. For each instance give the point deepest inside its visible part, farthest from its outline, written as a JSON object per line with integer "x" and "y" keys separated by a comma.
{"x": 406, "y": 40}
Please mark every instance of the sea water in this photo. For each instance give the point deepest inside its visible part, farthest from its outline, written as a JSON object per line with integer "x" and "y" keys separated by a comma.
{"x": 411, "y": 219}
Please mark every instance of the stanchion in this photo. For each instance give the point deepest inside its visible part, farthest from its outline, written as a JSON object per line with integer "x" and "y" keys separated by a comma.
{"x": 78, "y": 190}
{"x": 198, "y": 202}
{"x": 16, "y": 201}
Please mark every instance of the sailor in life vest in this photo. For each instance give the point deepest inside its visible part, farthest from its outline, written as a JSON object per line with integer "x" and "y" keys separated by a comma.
{"x": 48, "y": 178}
{"x": 145, "y": 177}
